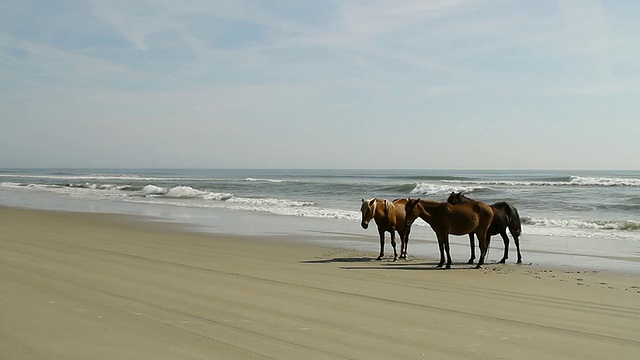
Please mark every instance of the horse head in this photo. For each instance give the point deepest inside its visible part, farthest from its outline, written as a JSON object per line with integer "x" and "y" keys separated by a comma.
{"x": 368, "y": 209}
{"x": 411, "y": 212}
{"x": 458, "y": 198}
{"x": 455, "y": 198}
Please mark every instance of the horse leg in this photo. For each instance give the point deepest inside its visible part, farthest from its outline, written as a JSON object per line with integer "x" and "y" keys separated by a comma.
{"x": 406, "y": 241}
{"x": 505, "y": 239}
{"x": 483, "y": 242}
{"x": 403, "y": 247}
{"x": 393, "y": 244}
{"x": 517, "y": 241}
{"x": 472, "y": 244}
{"x": 441, "y": 246}
{"x": 446, "y": 248}
{"x": 406, "y": 244}
{"x": 381, "y": 232}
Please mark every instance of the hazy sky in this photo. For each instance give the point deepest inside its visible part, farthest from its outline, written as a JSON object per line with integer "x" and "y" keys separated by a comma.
{"x": 320, "y": 84}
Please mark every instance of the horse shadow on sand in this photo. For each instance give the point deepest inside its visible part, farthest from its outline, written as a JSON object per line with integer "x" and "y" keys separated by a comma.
{"x": 409, "y": 266}
{"x": 339, "y": 260}
{"x": 384, "y": 265}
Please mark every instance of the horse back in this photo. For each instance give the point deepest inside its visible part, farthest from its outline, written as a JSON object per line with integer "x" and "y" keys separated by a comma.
{"x": 465, "y": 217}
{"x": 399, "y": 213}
{"x": 392, "y": 217}
{"x": 508, "y": 216}
{"x": 483, "y": 210}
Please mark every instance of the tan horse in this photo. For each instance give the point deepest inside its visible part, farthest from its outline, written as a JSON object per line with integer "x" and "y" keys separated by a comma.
{"x": 444, "y": 219}
{"x": 389, "y": 216}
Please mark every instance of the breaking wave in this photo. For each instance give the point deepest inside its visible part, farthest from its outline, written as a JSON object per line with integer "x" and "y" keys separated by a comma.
{"x": 565, "y": 181}
{"x": 264, "y": 180}
{"x": 435, "y": 189}
{"x": 627, "y": 225}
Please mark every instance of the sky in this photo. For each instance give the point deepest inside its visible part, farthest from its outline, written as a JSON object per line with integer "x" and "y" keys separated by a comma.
{"x": 444, "y": 84}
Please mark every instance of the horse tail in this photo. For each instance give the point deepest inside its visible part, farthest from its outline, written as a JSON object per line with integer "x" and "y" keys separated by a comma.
{"x": 515, "y": 226}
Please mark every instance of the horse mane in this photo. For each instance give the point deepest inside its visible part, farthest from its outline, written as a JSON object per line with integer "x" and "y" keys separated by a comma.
{"x": 462, "y": 198}
{"x": 365, "y": 204}
{"x": 388, "y": 205}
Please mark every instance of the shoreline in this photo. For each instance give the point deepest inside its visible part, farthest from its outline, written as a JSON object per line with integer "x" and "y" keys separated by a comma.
{"x": 100, "y": 286}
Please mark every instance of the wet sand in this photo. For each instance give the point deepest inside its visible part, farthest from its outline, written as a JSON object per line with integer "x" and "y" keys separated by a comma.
{"x": 95, "y": 286}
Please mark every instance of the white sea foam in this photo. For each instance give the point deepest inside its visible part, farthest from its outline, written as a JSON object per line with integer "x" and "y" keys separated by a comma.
{"x": 11, "y": 184}
{"x": 269, "y": 202}
{"x": 217, "y": 196}
{"x": 264, "y": 180}
{"x": 113, "y": 187}
{"x": 90, "y": 177}
{"x": 603, "y": 181}
{"x": 435, "y": 189}
{"x": 312, "y": 212}
{"x": 278, "y": 207}
{"x": 572, "y": 181}
{"x": 94, "y": 186}
{"x": 184, "y": 192}
{"x": 153, "y": 190}
{"x": 560, "y": 232}
{"x": 581, "y": 224}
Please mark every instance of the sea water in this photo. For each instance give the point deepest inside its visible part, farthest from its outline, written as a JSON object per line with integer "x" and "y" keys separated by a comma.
{"x": 553, "y": 204}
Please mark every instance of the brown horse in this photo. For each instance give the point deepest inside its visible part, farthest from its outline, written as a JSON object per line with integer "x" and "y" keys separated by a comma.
{"x": 445, "y": 219}
{"x": 389, "y": 216}
{"x": 504, "y": 215}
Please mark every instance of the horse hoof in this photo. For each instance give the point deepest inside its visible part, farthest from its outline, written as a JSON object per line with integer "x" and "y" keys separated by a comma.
{"x": 379, "y": 258}
{"x": 448, "y": 266}
{"x": 519, "y": 261}
{"x": 503, "y": 261}
{"x": 470, "y": 261}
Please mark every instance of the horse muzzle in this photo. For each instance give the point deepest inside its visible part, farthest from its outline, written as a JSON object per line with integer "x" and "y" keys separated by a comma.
{"x": 365, "y": 225}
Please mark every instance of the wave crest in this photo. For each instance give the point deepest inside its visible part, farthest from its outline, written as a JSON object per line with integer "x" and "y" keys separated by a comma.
{"x": 153, "y": 190}
{"x": 603, "y": 181}
{"x": 264, "y": 180}
{"x": 434, "y": 189}
{"x": 570, "y": 181}
{"x": 270, "y": 202}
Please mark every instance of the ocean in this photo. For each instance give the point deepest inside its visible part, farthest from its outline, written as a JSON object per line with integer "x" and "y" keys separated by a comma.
{"x": 558, "y": 204}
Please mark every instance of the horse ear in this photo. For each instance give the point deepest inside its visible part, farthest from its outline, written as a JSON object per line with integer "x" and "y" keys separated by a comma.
{"x": 372, "y": 201}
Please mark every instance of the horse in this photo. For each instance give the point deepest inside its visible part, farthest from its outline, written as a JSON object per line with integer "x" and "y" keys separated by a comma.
{"x": 445, "y": 219}
{"x": 504, "y": 215}
{"x": 389, "y": 216}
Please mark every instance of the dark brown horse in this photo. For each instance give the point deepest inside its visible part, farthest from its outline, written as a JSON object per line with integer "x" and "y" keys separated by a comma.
{"x": 504, "y": 215}
{"x": 445, "y": 219}
{"x": 389, "y": 216}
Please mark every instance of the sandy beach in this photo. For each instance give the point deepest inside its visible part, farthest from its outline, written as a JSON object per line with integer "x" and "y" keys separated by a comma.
{"x": 95, "y": 286}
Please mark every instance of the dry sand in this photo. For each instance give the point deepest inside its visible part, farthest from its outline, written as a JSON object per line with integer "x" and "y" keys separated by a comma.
{"x": 92, "y": 286}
